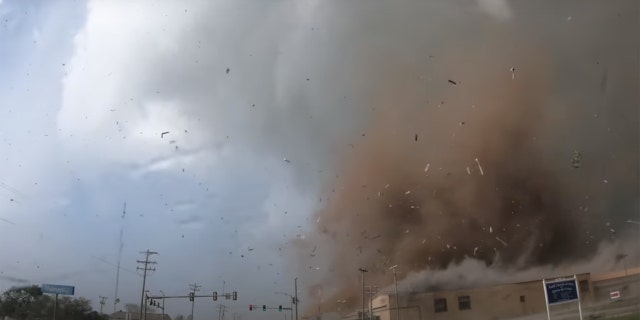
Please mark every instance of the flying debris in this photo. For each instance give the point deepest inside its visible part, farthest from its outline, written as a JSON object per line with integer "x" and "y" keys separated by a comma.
{"x": 286, "y": 160}
{"x": 513, "y": 72}
{"x": 501, "y": 241}
{"x": 453, "y": 82}
{"x": 479, "y": 167}
{"x": 427, "y": 167}
{"x": 416, "y": 137}
{"x": 576, "y": 160}
{"x": 228, "y": 70}
{"x": 162, "y": 134}
{"x": 7, "y": 221}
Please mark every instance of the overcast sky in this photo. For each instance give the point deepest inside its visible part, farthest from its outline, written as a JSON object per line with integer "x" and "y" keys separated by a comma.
{"x": 86, "y": 93}
{"x": 219, "y": 123}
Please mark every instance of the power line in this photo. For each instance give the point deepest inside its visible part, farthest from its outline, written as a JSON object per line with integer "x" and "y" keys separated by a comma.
{"x": 145, "y": 267}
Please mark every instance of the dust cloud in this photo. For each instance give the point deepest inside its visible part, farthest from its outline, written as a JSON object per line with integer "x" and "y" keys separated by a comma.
{"x": 487, "y": 155}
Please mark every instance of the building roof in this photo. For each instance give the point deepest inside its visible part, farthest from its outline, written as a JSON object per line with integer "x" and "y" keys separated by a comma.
{"x": 615, "y": 274}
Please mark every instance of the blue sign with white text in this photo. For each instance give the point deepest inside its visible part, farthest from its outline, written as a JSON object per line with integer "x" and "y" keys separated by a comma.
{"x": 561, "y": 291}
{"x": 58, "y": 289}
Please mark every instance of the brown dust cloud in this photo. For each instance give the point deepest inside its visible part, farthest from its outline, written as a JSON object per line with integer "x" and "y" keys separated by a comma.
{"x": 512, "y": 155}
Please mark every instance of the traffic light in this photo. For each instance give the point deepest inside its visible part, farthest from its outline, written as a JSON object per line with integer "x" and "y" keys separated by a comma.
{"x": 191, "y": 296}
{"x": 293, "y": 300}
{"x": 250, "y": 307}
{"x": 215, "y": 296}
{"x": 280, "y": 308}
{"x": 264, "y": 307}
{"x": 234, "y": 295}
{"x": 150, "y": 302}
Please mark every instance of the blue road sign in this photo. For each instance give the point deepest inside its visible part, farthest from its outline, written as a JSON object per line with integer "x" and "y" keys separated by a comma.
{"x": 561, "y": 291}
{"x": 58, "y": 289}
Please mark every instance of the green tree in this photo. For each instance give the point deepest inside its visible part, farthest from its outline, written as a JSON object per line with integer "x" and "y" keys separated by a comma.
{"x": 28, "y": 303}
{"x": 17, "y": 301}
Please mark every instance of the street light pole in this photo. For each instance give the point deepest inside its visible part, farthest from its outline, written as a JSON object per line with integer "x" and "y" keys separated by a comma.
{"x": 395, "y": 280}
{"x": 290, "y": 302}
{"x": 162, "y": 304}
{"x": 363, "y": 270}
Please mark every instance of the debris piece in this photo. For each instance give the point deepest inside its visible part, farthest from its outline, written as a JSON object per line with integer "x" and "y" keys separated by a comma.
{"x": 513, "y": 72}
{"x": 479, "y": 167}
{"x": 468, "y": 171}
{"x": 228, "y": 70}
{"x": 453, "y": 82}
{"x": 490, "y": 230}
{"x": 501, "y": 241}
{"x": 286, "y": 160}
{"x": 408, "y": 192}
{"x": 475, "y": 250}
{"x": 427, "y": 167}
{"x": 416, "y": 137}
{"x": 162, "y": 134}
{"x": 461, "y": 123}
{"x": 576, "y": 160}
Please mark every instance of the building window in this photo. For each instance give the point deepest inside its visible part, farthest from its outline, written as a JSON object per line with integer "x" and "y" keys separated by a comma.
{"x": 464, "y": 303}
{"x": 522, "y": 299}
{"x": 440, "y": 304}
{"x": 584, "y": 285}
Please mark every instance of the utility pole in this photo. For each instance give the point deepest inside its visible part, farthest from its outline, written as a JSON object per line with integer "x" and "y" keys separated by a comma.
{"x": 295, "y": 288}
{"x": 194, "y": 288}
{"x": 221, "y": 310}
{"x": 224, "y": 283}
{"x": 364, "y": 299}
{"x": 395, "y": 280}
{"x": 102, "y": 299}
{"x": 145, "y": 267}
{"x": 116, "y": 300}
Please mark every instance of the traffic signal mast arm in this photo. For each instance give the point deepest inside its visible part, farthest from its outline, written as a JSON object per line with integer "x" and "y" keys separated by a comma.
{"x": 265, "y": 308}
{"x": 234, "y": 294}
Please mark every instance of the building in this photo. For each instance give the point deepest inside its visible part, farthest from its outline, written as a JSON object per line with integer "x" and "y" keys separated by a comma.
{"x": 601, "y": 294}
